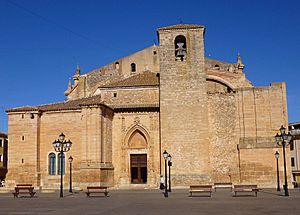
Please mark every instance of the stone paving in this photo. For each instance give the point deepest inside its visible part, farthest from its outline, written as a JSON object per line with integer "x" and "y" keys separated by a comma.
{"x": 152, "y": 202}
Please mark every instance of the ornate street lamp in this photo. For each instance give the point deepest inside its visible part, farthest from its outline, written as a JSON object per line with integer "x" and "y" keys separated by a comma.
{"x": 283, "y": 139}
{"x": 165, "y": 154}
{"x": 61, "y": 145}
{"x": 169, "y": 164}
{"x": 278, "y": 181}
{"x": 70, "y": 161}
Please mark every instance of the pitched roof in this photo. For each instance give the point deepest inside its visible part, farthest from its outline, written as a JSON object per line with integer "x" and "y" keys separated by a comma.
{"x": 181, "y": 26}
{"x": 66, "y": 105}
{"x": 141, "y": 79}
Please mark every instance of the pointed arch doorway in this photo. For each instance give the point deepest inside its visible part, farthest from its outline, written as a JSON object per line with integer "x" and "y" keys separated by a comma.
{"x": 138, "y": 158}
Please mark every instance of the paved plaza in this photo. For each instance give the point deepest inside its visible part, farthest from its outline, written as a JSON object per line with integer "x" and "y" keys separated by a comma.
{"x": 152, "y": 202}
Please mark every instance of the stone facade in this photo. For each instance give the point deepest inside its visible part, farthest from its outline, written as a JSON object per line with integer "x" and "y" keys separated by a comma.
{"x": 295, "y": 152}
{"x": 216, "y": 125}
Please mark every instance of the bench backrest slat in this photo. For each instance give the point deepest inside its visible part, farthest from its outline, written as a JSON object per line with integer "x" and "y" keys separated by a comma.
{"x": 96, "y": 187}
{"x": 200, "y": 186}
{"x": 229, "y": 183}
{"x": 24, "y": 185}
{"x": 245, "y": 186}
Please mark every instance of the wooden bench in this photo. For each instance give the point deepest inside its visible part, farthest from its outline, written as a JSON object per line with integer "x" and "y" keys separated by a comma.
{"x": 200, "y": 189}
{"x": 24, "y": 189}
{"x": 96, "y": 189}
{"x": 223, "y": 185}
{"x": 245, "y": 188}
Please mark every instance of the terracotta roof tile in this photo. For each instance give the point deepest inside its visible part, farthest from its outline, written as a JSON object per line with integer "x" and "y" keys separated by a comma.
{"x": 149, "y": 105}
{"x": 141, "y": 79}
{"x": 66, "y": 105}
{"x": 24, "y": 108}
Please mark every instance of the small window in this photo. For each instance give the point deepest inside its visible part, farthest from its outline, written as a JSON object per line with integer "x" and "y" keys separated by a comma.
{"x": 117, "y": 65}
{"x": 292, "y": 161}
{"x": 22, "y": 116}
{"x": 133, "y": 67}
{"x": 1, "y": 142}
{"x": 217, "y": 67}
{"x": 1, "y": 158}
{"x": 115, "y": 95}
{"x": 292, "y": 146}
{"x": 154, "y": 52}
{"x": 52, "y": 163}
{"x": 23, "y": 138}
{"x": 31, "y": 116}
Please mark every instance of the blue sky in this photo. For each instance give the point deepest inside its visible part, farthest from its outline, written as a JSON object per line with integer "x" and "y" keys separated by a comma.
{"x": 41, "y": 41}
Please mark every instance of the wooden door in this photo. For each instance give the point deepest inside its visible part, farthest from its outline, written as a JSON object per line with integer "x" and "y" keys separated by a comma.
{"x": 138, "y": 167}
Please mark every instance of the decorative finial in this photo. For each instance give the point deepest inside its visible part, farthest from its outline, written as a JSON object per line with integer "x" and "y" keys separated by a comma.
{"x": 239, "y": 62}
{"x": 78, "y": 70}
{"x": 70, "y": 84}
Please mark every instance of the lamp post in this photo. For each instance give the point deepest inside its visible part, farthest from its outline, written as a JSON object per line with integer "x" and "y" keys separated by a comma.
{"x": 165, "y": 154}
{"x": 61, "y": 145}
{"x": 278, "y": 182}
{"x": 283, "y": 139}
{"x": 169, "y": 164}
{"x": 70, "y": 160}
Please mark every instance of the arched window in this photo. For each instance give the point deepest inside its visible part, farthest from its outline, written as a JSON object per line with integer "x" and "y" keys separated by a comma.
{"x": 133, "y": 67}
{"x": 63, "y": 164}
{"x": 217, "y": 67}
{"x": 52, "y": 162}
{"x": 117, "y": 65}
{"x": 180, "y": 48}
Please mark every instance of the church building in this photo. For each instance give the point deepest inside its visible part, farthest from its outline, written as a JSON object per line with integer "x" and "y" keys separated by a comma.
{"x": 121, "y": 117}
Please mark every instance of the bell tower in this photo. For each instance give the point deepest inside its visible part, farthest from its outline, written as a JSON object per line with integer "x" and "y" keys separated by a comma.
{"x": 183, "y": 102}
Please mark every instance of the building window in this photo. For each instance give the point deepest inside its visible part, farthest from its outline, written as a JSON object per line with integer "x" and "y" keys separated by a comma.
{"x": 133, "y": 67}
{"x": 117, "y": 65}
{"x": 217, "y": 67}
{"x": 52, "y": 162}
{"x": 154, "y": 52}
{"x": 22, "y": 116}
{"x": 292, "y": 161}
{"x": 63, "y": 164}
{"x": 1, "y": 158}
{"x": 292, "y": 146}
{"x": 1, "y": 142}
{"x": 23, "y": 138}
{"x": 115, "y": 95}
{"x": 180, "y": 48}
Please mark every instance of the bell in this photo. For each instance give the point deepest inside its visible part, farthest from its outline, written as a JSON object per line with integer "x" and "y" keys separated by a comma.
{"x": 180, "y": 52}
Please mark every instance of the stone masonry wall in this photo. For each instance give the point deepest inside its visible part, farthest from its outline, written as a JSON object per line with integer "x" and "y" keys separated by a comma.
{"x": 124, "y": 125}
{"x": 262, "y": 111}
{"x": 184, "y": 116}
{"x": 23, "y": 149}
{"x": 130, "y": 96}
{"x": 52, "y": 124}
{"x": 223, "y": 137}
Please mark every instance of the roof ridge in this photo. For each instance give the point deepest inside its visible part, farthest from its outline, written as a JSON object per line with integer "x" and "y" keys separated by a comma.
{"x": 181, "y": 26}
{"x": 144, "y": 78}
